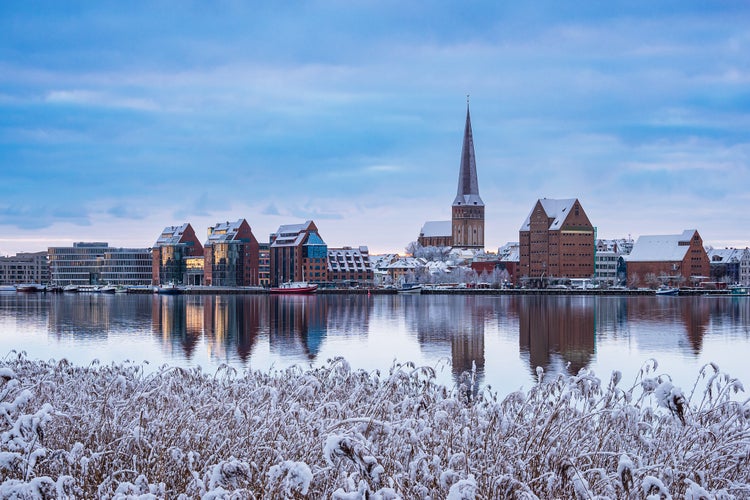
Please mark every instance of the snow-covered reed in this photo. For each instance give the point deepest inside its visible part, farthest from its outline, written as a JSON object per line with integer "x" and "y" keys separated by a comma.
{"x": 120, "y": 432}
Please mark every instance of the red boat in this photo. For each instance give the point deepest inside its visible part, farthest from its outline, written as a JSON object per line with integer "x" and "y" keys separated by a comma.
{"x": 295, "y": 287}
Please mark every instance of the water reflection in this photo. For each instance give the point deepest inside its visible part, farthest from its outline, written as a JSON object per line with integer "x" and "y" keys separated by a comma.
{"x": 556, "y": 335}
{"x": 560, "y": 334}
{"x": 451, "y": 327}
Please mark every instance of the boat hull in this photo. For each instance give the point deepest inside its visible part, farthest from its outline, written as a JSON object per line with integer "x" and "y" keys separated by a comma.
{"x": 294, "y": 289}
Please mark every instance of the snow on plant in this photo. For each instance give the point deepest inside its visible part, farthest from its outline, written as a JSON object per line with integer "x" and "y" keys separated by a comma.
{"x": 332, "y": 432}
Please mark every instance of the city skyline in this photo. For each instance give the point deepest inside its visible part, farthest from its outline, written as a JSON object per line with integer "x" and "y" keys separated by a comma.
{"x": 116, "y": 121}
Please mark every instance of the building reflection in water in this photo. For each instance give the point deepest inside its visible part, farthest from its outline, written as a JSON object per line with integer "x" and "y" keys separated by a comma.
{"x": 451, "y": 325}
{"x": 297, "y": 324}
{"x": 556, "y": 333}
{"x": 178, "y": 323}
{"x": 659, "y": 315}
{"x": 87, "y": 315}
{"x": 233, "y": 323}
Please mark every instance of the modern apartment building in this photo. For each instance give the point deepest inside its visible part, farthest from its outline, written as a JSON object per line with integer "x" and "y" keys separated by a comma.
{"x": 231, "y": 255}
{"x": 556, "y": 241}
{"x": 24, "y": 268}
{"x": 96, "y": 263}
{"x": 170, "y": 255}
{"x": 674, "y": 259}
{"x": 298, "y": 253}
{"x": 350, "y": 265}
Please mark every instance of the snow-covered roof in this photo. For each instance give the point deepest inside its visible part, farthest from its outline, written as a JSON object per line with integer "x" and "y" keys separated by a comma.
{"x": 291, "y": 234}
{"x": 510, "y": 252}
{"x": 555, "y": 209}
{"x": 349, "y": 259}
{"x": 724, "y": 255}
{"x": 435, "y": 228}
{"x": 406, "y": 263}
{"x": 171, "y": 235}
{"x": 223, "y": 231}
{"x": 661, "y": 248}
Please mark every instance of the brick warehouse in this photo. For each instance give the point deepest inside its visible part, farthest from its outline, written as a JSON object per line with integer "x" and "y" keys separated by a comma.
{"x": 556, "y": 241}
{"x": 673, "y": 258}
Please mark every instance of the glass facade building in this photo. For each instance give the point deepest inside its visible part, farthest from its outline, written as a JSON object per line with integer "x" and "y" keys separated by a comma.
{"x": 97, "y": 263}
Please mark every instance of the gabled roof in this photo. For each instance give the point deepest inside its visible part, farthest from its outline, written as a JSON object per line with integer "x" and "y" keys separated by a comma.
{"x": 725, "y": 255}
{"x": 291, "y": 234}
{"x": 223, "y": 231}
{"x": 661, "y": 248}
{"x": 435, "y": 228}
{"x": 468, "y": 184}
{"x": 555, "y": 209}
{"x": 171, "y": 235}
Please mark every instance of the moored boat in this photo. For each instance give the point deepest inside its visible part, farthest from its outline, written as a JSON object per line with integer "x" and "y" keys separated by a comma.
{"x": 295, "y": 287}
{"x": 410, "y": 288}
{"x": 30, "y": 287}
{"x": 169, "y": 289}
{"x": 70, "y": 288}
{"x": 108, "y": 289}
{"x": 740, "y": 291}
{"x": 666, "y": 290}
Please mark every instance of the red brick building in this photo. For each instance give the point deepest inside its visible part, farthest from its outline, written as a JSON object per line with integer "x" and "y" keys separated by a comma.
{"x": 467, "y": 212}
{"x": 556, "y": 241}
{"x": 436, "y": 233}
{"x": 170, "y": 252}
{"x": 673, "y": 259}
{"x": 298, "y": 253}
{"x": 231, "y": 255}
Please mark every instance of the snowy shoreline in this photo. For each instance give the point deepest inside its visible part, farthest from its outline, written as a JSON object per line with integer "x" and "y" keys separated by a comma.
{"x": 115, "y": 431}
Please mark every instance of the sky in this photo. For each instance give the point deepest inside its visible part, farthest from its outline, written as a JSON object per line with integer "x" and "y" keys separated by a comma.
{"x": 118, "y": 119}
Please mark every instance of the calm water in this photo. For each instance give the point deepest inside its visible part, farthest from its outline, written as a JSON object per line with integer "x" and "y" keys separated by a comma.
{"x": 505, "y": 336}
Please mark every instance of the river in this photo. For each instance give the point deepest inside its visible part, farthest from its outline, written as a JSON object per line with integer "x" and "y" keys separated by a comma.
{"x": 503, "y": 338}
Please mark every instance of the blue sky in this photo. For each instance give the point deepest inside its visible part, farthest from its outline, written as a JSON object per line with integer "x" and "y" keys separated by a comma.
{"x": 120, "y": 118}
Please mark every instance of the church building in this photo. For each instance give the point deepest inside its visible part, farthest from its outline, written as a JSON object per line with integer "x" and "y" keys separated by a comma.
{"x": 466, "y": 227}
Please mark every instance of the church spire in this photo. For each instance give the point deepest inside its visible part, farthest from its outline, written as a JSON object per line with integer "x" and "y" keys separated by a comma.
{"x": 468, "y": 185}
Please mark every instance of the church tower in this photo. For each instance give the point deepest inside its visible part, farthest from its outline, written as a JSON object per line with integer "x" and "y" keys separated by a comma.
{"x": 467, "y": 219}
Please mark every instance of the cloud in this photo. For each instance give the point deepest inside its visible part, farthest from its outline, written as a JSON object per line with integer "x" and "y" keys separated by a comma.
{"x": 99, "y": 99}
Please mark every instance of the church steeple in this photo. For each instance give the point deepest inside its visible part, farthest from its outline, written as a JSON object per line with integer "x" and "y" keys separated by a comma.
{"x": 467, "y": 219}
{"x": 468, "y": 184}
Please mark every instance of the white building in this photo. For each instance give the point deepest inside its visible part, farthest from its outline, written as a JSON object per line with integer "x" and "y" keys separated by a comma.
{"x": 606, "y": 255}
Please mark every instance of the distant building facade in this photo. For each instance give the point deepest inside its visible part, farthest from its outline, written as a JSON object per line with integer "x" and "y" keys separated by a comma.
{"x": 96, "y": 263}
{"x": 436, "y": 234}
{"x": 350, "y": 265}
{"x": 556, "y": 241}
{"x": 170, "y": 254}
{"x": 24, "y": 268}
{"x": 467, "y": 219}
{"x": 231, "y": 255}
{"x": 670, "y": 259}
{"x": 298, "y": 253}
{"x": 510, "y": 256}
{"x": 726, "y": 264}
{"x": 264, "y": 264}
{"x": 607, "y": 258}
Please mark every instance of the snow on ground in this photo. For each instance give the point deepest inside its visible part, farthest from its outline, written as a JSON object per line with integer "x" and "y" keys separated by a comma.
{"x": 116, "y": 431}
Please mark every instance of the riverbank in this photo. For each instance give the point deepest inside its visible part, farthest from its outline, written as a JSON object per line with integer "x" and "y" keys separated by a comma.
{"x": 427, "y": 290}
{"x": 333, "y": 432}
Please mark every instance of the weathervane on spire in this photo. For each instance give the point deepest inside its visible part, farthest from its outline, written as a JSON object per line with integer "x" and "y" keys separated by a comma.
{"x": 467, "y": 99}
